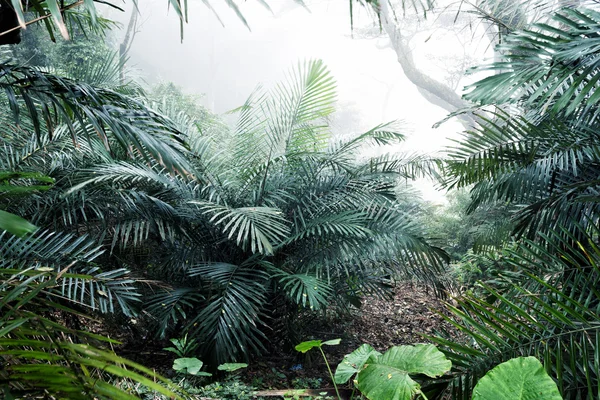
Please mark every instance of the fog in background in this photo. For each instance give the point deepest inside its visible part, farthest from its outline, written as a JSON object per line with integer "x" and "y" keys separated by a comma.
{"x": 226, "y": 63}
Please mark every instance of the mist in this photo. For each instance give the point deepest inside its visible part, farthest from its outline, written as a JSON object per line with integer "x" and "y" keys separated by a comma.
{"x": 222, "y": 59}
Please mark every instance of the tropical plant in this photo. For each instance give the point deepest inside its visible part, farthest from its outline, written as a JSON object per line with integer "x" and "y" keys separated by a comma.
{"x": 387, "y": 376}
{"x": 40, "y": 354}
{"x": 538, "y": 148}
{"x": 183, "y": 347}
{"x": 190, "y": 366}
{"x": 535, "y": 147}
{"x": 51, "y": 123}
{"x": 311, "y": 344}
{"x": 282, "y": 218}
{"x": 544, "y": 305}
{"x": 517, "y": 379}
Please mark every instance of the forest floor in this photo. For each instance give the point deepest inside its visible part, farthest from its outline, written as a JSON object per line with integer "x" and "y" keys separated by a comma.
{"x": 380, "y": 322}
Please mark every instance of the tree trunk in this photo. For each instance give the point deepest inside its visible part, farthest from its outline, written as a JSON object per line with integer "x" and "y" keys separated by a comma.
{"x": 127, "y": 42}
{"x": 435, "y": 92}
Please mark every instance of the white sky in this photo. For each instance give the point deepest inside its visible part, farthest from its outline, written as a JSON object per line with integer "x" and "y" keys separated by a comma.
{"x": 228, "y": 62}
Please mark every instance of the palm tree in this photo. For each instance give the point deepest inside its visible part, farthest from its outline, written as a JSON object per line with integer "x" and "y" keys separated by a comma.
{"x": 535, "y": 147}
{"x": 51, "y": 124}
{"x": 280, "y": 216}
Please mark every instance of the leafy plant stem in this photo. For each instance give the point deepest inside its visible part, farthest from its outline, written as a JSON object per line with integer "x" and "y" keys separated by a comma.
{"x": 330, "y": 374}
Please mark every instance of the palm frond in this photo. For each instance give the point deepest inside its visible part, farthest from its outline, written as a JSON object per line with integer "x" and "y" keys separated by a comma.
{"x": 43, "y": 357}
{"x": 259, "y": 228}
{"x": 538, "y": 68}
{"x": 287, "y": 121}
{"x": 232, "y": 316}
{"x": 80, "y": 280}
{"x": 51, "y": 100}
{"x": 545, "y": 305}
{"x": 172, "y": 306}
{"x": 306, "y": 290}
{"x": 547, "y": 167}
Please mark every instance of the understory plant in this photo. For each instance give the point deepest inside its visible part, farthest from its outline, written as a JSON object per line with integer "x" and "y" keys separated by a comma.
{"x": 40, "y": 354}
{"x": 398, "y": 374}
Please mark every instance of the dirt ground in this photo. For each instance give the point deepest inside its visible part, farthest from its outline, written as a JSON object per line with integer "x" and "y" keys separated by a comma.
{"x": 382, "y": 323}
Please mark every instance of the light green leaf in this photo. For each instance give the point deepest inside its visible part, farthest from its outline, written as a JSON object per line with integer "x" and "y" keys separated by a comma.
{"x": 387, "y": 376}
{"x": 381, "y": 384}
{"x": 517, "y": 379}
{"x": 353, "y": 363}
{"x": 15, "y": 224}
{"x": 189, "y": 365}
{"x": 55, "y": 10}
{"x": 91, "y": 9}
{"x": 11, "y": 325}
{"x": 306, "y": 346}
{"x": 18, "y": 7}
{"x": 230, "y": 367}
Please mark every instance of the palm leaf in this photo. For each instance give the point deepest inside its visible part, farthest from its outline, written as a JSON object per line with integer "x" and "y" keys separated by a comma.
{"x": 546, "y": 309}
{"x": 109, "y": 113}
{"x": 79, "y": 280}
{"x": 537, "y": 70}
{"x": 41, "y": 356}
{"x": 260, "y": 228}
{"x": 231, "y": 318}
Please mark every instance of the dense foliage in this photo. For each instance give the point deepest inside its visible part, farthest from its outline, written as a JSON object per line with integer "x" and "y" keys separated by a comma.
{"x": 116, "y": 199}
{"x": 280, "y": 212}
{"x": 229, "y": 235}
{"x": 536, "y": 149}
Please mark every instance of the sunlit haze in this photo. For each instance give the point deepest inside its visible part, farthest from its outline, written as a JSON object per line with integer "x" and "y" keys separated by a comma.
{"x": 225, "y": 62}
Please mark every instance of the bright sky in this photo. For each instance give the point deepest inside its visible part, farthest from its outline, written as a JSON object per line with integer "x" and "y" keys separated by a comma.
{"x": 226, "y": 63}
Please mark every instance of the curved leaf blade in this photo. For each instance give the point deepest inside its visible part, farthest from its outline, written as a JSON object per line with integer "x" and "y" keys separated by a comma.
{"x": 353, "y": 363}
{"x": 387, "y": 376}
{"x": 517, "y": 379}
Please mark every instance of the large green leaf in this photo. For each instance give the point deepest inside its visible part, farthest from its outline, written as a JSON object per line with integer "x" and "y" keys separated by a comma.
{"x": 353, "y": 363}
{"x": 230, "y": 367}
{"x": 386, "y": 377}
{"x": 189, "y": 365}
{"x": 306, "y": 346}
{"x": 517, "y": 379}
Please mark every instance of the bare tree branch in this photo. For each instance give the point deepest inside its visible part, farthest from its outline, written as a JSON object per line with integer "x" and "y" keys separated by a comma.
{"x": 434, "y": 91}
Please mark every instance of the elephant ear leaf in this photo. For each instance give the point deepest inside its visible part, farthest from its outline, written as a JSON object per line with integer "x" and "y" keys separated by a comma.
{"x": 388, "y": 376}
{"x": 517, "y": 379}
{"x": 189, "y": 365}
{"x": 306, "y": 346}
{"x": 230, "y": 367}
{"x": 353, "y": 363}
